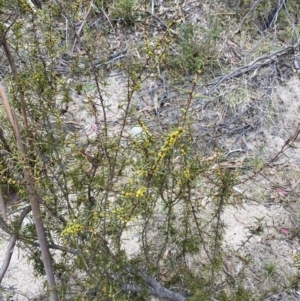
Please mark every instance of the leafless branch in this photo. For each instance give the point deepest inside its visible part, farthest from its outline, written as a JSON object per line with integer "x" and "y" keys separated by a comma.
{"x": 2, "y": 206}
{"x": 153, "y": 288}
{"x": 12, "y": 243}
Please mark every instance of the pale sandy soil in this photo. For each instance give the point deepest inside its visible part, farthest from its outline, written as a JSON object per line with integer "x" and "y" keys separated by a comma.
{"x": 19, "y": 281}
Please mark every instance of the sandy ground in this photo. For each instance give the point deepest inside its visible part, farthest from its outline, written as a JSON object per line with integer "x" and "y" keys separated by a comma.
{"x": 19, "y": 281}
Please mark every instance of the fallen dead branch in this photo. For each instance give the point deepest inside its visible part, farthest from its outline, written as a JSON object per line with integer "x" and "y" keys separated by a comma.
{"x": 258, "y": 63}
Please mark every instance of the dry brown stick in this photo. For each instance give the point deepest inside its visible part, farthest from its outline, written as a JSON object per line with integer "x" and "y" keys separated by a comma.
{"x": 108, "y": 19}
{"x": 257, "y": 63}
{"x": 34, "y": 200}
{"x": 2, "y": 206}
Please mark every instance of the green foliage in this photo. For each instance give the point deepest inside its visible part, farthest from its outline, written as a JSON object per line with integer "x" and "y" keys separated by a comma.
{"x": 102, "y": 4}
{"x": 297, "y": 261}
{"x": 193, "y": 49}
{"x": 124, "y": 10}
{"x": 269, "y": 268}
{"x": 234, "y": 97}
{"x": 238, "y": 294}
{"x": 189, "y": 55}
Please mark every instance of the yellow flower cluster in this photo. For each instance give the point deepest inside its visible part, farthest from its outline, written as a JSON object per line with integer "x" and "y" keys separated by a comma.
{"x": 120, "y": 213}
{"x": 140, "y": 192}
{"x": 24, "y": 6}
{"x": 109, "y": 293}
{"x": 72, "y": 229}
{"x": 140, "y": 173}
{"x": 182, "y": 150}
{"x": 96, "y": 215}
{"x": 219, "y": 173}
{"x": 187, "y": 174}
{"x": 170, "y": 141}
{"x": 11, "y": 181}
{"x": 126, "y": 194}
{"x": 145, "y": 129}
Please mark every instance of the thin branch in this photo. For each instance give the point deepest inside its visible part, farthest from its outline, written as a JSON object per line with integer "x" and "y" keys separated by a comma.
{"x": 288, "y": 144}
{"x": 2, "y": 206}
{"x": 12, "y": 243}
{"x": 248, "y": 13}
